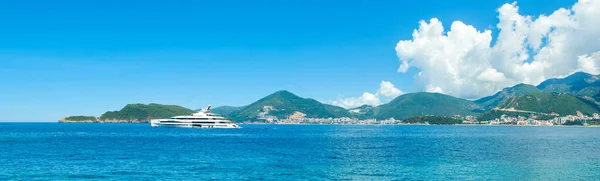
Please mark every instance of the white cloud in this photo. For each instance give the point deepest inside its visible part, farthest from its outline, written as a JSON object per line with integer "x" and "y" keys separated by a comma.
{"x": 491, "y": 75}
{"x": 431, "y": 88}
{"x": 463, "y": 62}
{"x": 387, "y": 91}
{"x": 589, "y": 63}
{"x": 366, "y": 98}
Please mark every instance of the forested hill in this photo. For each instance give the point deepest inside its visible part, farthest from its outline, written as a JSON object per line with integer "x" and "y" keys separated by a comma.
{"x": 134, "y": 113}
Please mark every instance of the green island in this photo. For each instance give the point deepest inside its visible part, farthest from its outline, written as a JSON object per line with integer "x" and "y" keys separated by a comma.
{"x": 134, "y": 113}
{"x": 81, "y": 118}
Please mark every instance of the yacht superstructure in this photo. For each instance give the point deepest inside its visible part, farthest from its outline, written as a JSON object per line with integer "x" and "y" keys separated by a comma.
{"x": 202, "y": 119}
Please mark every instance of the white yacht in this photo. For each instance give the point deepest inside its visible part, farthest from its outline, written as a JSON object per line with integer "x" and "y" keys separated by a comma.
{"x": 202, "y": 119}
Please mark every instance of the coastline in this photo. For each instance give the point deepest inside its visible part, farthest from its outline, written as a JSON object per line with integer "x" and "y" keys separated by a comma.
{"x": 341, "y": 124}
{"x": 101, "y": 121}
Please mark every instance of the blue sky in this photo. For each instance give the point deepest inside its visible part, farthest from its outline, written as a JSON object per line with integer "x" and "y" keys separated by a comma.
{"x": 60, "y": 58}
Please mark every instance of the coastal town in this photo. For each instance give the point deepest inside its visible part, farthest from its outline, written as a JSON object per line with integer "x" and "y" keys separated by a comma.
{"x": 579, "y": 119}
{"x": 504, "y": 120}
{"x": 532, "y": 119}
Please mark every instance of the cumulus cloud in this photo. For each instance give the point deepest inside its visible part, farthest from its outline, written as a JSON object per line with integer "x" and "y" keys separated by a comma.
{"x": 387, "y": 91}
{"x": 366, "y": 98}
{"x": 463, "y": 61}
{"x": 589, "y": 63}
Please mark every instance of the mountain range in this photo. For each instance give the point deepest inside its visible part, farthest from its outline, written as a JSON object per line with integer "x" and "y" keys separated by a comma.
{"x": 563, "y": 96}
{"x": 579, "y": 92}
{"x": 559, "y": 103}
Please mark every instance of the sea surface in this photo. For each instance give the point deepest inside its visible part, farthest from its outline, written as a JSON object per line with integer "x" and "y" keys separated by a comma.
{"x": 56, "y": 151}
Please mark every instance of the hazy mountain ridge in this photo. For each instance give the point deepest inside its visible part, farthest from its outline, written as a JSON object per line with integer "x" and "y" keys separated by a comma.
{"x": 578, "y": 84}
{"x": 224, "y": 110}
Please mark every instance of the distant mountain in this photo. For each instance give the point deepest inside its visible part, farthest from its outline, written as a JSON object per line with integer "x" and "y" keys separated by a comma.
{"x": 283, "y": 104}
{"x": 423, "y": 103}
{"x": 143, "y": 112}
{"x": 224, "y": 110}
{"x": 506, "y": 93}
{"x": 363, "y": 112}
{"x": 560, "y": 103}
{"x": 578, "y": 84}
{"x": 361, "y": 109}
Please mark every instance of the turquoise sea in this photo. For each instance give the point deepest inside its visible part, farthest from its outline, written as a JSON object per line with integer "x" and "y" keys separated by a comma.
{"x": 55, "y": 151}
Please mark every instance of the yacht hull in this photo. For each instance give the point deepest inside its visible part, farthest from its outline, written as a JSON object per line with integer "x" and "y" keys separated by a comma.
{"x": 172, "y": 124}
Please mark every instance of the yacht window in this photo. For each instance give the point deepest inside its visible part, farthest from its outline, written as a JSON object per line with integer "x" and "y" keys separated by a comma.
{"x": 203, "y": 122}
